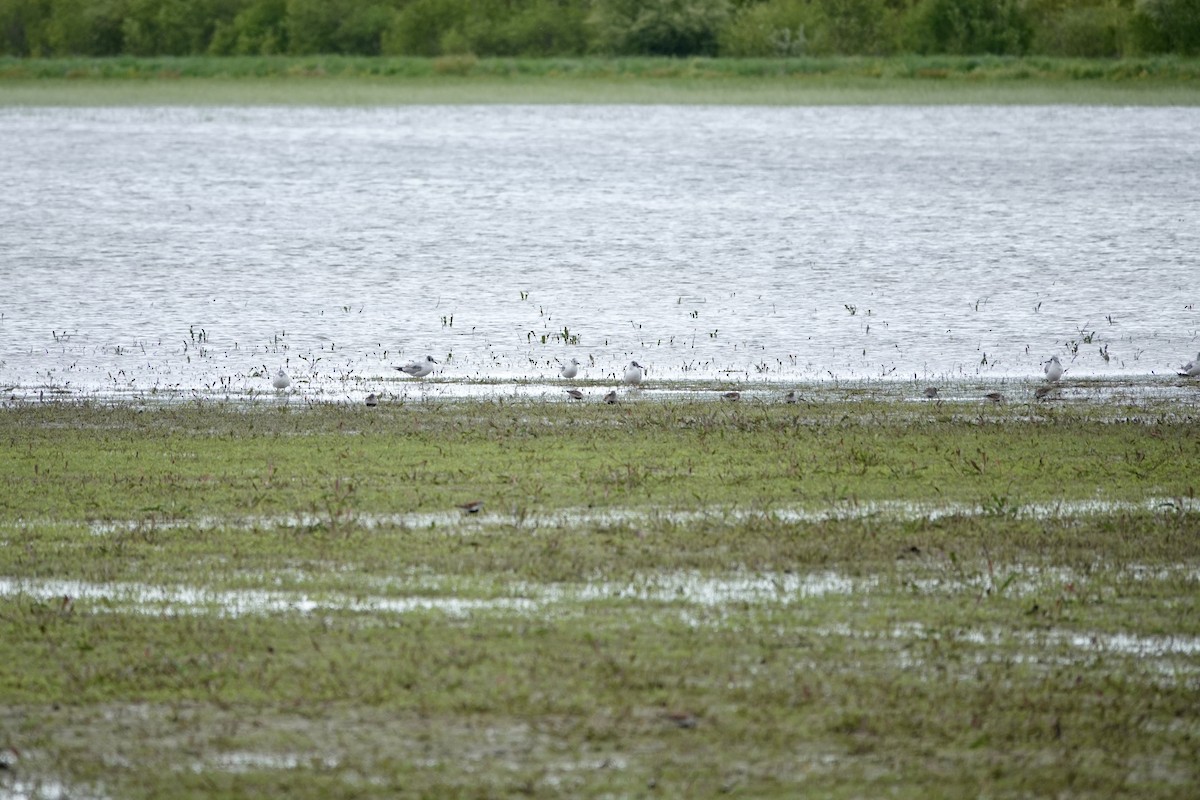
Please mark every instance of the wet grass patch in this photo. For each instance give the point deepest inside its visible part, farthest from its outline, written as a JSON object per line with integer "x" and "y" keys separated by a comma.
{"x": 657, "y": 598}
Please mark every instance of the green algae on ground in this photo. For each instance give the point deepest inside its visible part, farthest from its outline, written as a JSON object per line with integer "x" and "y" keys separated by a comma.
{"x": 214, "y": 601}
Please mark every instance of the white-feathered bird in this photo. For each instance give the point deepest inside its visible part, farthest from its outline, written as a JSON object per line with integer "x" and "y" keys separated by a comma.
{"x": 1191, "y": 369}
{"x": 1053, "y": 369}
{"x": 634, "y": 373}
{"x": 281, "y": 380}
{"x": 419, "y": 369}
{"x": 570, "y": 369}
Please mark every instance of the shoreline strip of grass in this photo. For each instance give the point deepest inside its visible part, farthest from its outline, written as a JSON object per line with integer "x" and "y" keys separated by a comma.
{"x": 340, "y": 80}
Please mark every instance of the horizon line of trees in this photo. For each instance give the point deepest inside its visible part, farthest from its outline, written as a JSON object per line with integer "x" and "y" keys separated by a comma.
{"x": 547, "y": 28}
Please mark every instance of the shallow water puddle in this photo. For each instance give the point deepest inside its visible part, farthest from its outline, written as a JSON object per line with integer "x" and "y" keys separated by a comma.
{"x": 529, "y": 598}
{"x": 459, "y": 522}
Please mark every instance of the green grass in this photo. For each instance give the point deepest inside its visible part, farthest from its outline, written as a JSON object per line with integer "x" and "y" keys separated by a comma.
{"x": 841, "y": 599}
{"x": 338, "y": 80}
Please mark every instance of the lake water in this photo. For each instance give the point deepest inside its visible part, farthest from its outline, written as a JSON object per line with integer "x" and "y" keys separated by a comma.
{"x": 193, "y": 250}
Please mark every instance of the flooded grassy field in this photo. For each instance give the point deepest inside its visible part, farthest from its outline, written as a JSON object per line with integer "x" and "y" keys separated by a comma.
{"x": 670, "y": 596}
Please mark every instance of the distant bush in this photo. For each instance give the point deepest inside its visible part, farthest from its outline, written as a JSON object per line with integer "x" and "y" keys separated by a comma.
{"x": 658, "y": 27}
{"x": 854, "y": 27}
{"x": 970, "y": 27}
{"x": 173, "y": 27}
{"x": 1101, "y": 30}
{"x": 542, "y": 28}
{"x": 260, "y": 29}
{"x": 85, "y": 28}
{"x": 420, "y": 27}
{"x": 777, "y": 28}
{"x": 1168, "y": 26}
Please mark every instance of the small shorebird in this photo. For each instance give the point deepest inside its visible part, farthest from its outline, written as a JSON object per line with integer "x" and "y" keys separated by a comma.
{"x": 570, "y": 369}
{"x": 281, "y": 380}
{"x": 473, "y": 507}
{"x": 731, "y": 396}
{"x": 995, "y": 397}
{"x": 1041, "y": 392}
{"x": 931, "y": 392}
{"x": 790, "y": 397}
{"x": 634, "y": 373}
{"x": 1191, "y": 369}
{"x": 611, "y": 397}
{"x": 574, "y": 394}
{"x": 419, "y": 369}
{"x": 372, "y": 400}
{"x": 1053, "y": 369}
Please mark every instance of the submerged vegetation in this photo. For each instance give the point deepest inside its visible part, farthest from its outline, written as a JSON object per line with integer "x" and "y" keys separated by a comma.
{"x": 656, "y": 598}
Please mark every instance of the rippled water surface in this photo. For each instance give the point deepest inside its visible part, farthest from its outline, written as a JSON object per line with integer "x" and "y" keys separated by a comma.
{"x": 194, "y": 249}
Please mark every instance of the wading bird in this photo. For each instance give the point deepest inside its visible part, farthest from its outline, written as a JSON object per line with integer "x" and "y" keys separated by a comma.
{"x": 611, "y": 397}
{"x": 570, "y": 369}
{"x": 1191, "y": 369}
{"x": 419, "y": 369}
{"x": 1053, "y": 369}
{"x": 574, "y": 394}
{"x": 634, "y": 373}
{"x": 281, "y": 380}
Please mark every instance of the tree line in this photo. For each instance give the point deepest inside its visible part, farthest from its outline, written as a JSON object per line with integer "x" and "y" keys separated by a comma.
{"x": 549, "y": 28}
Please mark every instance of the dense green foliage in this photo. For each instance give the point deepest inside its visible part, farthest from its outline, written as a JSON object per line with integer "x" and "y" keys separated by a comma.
{"x": 540, "y": 28}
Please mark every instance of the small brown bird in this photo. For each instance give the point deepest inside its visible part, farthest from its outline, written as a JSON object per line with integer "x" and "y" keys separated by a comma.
{"x": 611, "y": 397}
{"x": 732, "y": 396}
{"x": 790, "y": 397}
{"x": 995, "y": 397}
{"x": 681, "y": 719}
{"x": 473, "y": 507}
{"x": 1042, "y": 391}
{"x": 372, "y": 400}
{"x": 574, "y": 394}
{"x": 931, "y": 392}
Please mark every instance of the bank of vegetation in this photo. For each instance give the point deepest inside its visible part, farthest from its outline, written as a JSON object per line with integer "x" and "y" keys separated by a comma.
{"x": 574, "y": 28}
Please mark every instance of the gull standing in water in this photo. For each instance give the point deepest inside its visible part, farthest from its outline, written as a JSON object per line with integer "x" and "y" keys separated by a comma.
{"x": 1191, "y": 369}
{"x": 1053, "y": 370}
{"x": 419, "y": 369}
{"x": 281, "y": 380}
{"x": 634, "y": 373}
{"x": 570, "y": 369}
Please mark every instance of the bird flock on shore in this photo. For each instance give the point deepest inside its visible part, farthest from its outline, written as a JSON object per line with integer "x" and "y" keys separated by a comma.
{"x": 635, "y": 373}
